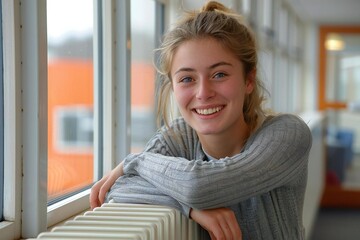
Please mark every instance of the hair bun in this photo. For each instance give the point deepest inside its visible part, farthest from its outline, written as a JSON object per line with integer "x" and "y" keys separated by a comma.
{"x": 213, "y": 6}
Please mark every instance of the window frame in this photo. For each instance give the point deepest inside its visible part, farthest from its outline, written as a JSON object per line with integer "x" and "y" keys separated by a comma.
{"x": 25, "y": 82}
{"x": 1, "y": 122}
{"x": 33, "y": 116}
{"x": 19, "y": 72}
{"x": 11, "y": 226}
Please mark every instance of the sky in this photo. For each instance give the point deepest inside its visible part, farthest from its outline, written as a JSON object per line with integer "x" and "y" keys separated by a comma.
{"x": 67, "y": 18}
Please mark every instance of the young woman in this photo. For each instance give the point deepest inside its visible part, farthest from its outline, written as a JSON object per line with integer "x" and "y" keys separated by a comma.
{"x": 237, "y": 171}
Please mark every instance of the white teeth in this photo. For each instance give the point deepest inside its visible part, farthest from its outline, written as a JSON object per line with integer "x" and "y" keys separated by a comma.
{"x": 208, "y": 111}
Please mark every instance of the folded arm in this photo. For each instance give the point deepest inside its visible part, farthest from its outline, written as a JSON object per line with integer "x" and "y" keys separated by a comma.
{"x": 273, "y": 157}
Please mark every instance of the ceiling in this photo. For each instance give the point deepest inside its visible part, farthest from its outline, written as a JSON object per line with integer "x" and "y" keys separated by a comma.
{"x": 328, "y": 12}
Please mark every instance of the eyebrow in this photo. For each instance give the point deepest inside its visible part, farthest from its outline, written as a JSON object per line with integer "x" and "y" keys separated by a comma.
{"x": 220, "y": 64}
{"x": 187, "y": 69}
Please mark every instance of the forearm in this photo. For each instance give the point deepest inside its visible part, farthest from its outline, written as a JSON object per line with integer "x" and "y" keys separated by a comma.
{"x": 134, "y": 189}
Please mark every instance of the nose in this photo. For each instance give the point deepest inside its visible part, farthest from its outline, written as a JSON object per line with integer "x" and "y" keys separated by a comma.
{"x": 205, "y": 89}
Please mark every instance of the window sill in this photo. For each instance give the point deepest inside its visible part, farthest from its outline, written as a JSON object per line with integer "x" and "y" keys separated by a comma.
{"x": 67, "y": 208}
{"x": 7, "y": 230}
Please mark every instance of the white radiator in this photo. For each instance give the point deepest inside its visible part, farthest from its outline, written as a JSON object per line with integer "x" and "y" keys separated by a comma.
{"x": 127, "y": 221}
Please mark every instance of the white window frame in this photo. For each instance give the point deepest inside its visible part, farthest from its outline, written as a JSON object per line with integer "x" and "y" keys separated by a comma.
{"x": 25, "y": 84}
{"x": 10, "y": 228}
{"x": 33, "y": 58}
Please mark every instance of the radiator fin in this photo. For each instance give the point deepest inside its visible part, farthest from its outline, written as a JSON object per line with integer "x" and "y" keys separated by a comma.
{"x": 127, "y": 221}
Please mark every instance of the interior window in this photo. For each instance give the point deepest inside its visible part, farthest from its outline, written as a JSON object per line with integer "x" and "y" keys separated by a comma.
{"x": 144, "y": 41}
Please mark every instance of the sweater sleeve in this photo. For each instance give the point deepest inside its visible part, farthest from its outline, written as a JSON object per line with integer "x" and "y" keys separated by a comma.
{"x": 274, "y": 156}
{"x": 131, "y": 188}
{"x": 135, "y": 189}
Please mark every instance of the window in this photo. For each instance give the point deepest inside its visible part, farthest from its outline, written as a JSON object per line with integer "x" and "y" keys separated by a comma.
{"x": 267, "y": 14}
{"x": 288, "y": 66}
{"x": 144, "y": 38}
{"x": 343, "y": 71}
{"x": 246, "y": 7}
{"x": 350, "y": 78}
{"x": 266, "y": 22}
{"x": 74, "y": 130}
{"x": 253, "y": 14}
{"x": 283, "y": 26}
{"x": 295, "y": 49}
{"x": 295, "y": 88}
{"x": 281, "y": 85}
{"x": 70, "y": 96}
{"x": 266, "y": 73}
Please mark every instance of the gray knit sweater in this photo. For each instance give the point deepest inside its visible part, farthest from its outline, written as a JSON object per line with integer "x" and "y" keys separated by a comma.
{"x": 264, "y": 184}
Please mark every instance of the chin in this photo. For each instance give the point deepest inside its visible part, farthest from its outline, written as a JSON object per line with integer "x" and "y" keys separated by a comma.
{"x": 206, "y": 131}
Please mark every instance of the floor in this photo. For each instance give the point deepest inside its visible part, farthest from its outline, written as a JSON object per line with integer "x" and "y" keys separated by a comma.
{"x": 352, "y": 177}
{"x": 337, "y": 224}
{"x": 340, "y": 224}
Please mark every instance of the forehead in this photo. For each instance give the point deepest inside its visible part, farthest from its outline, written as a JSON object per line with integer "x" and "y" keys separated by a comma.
{"x": 202, "y": 51}
{"x": 205, "y": 44}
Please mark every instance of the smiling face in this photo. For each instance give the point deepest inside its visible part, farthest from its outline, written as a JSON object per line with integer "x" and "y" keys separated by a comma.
{"x": 209, "y": 86}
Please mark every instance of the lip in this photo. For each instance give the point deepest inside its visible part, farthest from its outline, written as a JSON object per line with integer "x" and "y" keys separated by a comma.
{"x": 208, "y": 111}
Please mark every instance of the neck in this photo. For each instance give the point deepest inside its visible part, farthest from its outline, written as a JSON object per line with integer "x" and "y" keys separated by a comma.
{"x": 224, "y": 145}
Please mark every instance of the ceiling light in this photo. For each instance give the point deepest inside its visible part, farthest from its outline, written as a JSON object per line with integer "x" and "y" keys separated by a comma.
{"x": 334, "y": 42}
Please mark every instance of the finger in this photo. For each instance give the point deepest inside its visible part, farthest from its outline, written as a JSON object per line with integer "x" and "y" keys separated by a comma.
{"x": 109, "y": 180}
{"x": 217, "y": 232}
{"x": 93, "y": 204}
{"x": 94, "y": 193}
{"x": 227, "y": 232}
{"x": 233, "y": 225}
{"x": 93, "y": 200}
{"x": 104, "y": 189}
{"x": 94, "y": 196}
{"x": 235, "y": 231}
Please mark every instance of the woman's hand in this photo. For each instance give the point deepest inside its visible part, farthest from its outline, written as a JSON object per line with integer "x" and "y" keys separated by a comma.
{"x": 221, "y": 223}
{"x": 100, "y": 188}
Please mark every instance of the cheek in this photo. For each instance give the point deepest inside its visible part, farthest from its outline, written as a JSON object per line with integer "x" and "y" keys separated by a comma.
{"x": 181, "y": 97}
{"x": 235, "y": 93}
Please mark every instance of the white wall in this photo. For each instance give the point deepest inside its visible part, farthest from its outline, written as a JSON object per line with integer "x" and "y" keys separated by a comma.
{"x": 316, "y": 170}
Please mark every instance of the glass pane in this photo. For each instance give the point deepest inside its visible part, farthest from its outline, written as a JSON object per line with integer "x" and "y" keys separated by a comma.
{"x": 70, "y": 96}
{"x": 267, "y": 14}
{"x": 343, "y": 68}
{"x": 280, "y": 89}
{"x": 283, "y": 26}
{"x": 245, "y": 5}
{"x": 266, "y": 72}
{"x": 143, "y": 36}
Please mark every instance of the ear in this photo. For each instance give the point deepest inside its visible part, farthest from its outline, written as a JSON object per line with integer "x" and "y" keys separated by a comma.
{"x": 250, "y": 81}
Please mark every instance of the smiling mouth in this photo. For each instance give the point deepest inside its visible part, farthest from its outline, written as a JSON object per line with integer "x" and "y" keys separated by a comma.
{"x": 208, "y": 111}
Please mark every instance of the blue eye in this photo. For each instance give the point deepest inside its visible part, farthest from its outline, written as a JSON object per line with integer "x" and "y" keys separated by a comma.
{"x": 186, "y": 80}
{"x": 220, "y": 75}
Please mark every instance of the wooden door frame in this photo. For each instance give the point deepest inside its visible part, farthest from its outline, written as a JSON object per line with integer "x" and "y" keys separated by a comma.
{"x": 323, "y": 31}
{"x": 334, "y": 196}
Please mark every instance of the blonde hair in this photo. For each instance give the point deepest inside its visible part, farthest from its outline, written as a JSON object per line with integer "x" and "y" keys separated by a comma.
{"x": 216, "y": 21}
